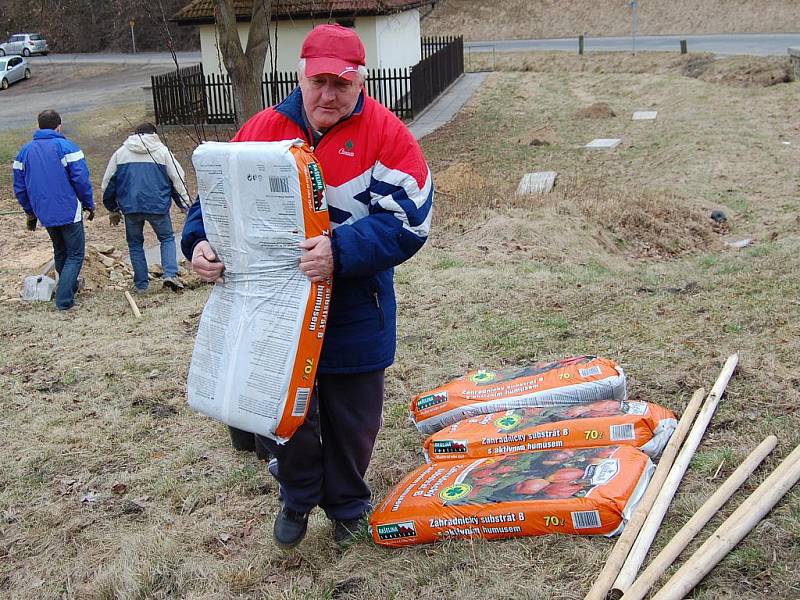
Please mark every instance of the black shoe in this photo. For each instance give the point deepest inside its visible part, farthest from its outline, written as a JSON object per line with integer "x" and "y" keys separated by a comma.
{"x": 290, "y": 528}
{"x": 348, "y": 531}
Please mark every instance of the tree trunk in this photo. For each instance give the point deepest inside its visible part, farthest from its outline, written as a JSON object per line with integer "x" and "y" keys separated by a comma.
{"x": 245, "y": 66}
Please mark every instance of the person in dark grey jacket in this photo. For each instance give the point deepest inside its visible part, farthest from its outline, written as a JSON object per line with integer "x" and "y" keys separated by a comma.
{"x": 141, "y": 181}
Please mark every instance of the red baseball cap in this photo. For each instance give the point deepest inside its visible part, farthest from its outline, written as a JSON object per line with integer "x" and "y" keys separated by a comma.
{"x": 333, "y": 49}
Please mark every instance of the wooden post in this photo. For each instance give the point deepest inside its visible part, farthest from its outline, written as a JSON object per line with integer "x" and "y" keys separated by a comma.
{"x": 650, "y": 528}
{"x": 671, "y": 551}
{"x": 132, "y": 302}
{"x": 580, "y": 44}
{"x": 628, "y": 537}
{"x": 734, "y": 529}
{"x": 683, "y": 46}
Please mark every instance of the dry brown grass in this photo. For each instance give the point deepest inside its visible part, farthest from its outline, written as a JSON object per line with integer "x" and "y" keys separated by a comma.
{"x": 532, "y": 19}
{"x": 110, "y": 487}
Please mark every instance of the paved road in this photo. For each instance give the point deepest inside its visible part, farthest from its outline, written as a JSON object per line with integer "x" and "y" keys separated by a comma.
{"x": 760, "y": 44}
{"x": 140, "y": 58}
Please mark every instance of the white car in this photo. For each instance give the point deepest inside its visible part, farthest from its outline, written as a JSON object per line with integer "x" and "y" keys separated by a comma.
{"x": 13, "y": 69}
{"x": 25, "y": 44}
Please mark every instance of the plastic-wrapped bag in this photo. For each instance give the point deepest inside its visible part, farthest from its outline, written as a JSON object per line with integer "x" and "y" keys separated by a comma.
{"x": 576, "y": 380}
{"x": 260, "y": 335}
{"x": 641, "y": 424}
{"x": 589, "y": 491}
{"x": 38, "y": 287}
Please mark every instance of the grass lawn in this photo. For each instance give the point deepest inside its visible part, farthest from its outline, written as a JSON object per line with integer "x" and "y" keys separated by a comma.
{"x": 111, "y": 487}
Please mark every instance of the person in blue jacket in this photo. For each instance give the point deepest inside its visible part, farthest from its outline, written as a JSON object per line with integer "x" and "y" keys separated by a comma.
{"x": 51, "y": 183}
{"x": 141, "y": 181}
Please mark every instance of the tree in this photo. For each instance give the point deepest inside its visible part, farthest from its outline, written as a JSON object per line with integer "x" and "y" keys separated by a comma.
{"x": 244, "y": 65}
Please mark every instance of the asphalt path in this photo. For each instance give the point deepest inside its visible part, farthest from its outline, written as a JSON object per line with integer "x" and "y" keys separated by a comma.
{"x": 758, "y": 44}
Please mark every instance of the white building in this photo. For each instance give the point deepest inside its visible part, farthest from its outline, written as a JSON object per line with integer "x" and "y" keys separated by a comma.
{"x": 389, "y": 29}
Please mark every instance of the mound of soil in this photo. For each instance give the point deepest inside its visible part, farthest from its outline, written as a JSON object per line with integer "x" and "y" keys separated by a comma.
{"x": 105, "y": 269}
{"x": 599, "y": 110}
{"x": 740, "y": 71}
{"x": 541, "y": 136}
{"x": 641, "y": 223}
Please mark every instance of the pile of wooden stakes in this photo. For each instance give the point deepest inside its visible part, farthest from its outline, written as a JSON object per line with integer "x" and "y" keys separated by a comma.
{"x": 618, "y": 577}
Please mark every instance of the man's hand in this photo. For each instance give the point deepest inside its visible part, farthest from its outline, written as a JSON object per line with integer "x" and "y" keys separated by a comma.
{"x": 206, "y": 264}
{"x": 90, "y": 216}
{"x": 30, "y": 222}
{"x": 114, "y": 218}
{"x": 317, "y": 262}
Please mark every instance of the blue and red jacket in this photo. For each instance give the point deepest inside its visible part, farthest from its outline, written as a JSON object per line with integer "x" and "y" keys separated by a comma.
{"x": 380, "y": 193}
{"x": 51, "y": 179}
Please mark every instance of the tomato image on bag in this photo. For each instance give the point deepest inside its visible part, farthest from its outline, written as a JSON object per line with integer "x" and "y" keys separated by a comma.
{"x": 589, "y": 491}
{"x": 576, "y": 380}
{"x": 644, "y": 425}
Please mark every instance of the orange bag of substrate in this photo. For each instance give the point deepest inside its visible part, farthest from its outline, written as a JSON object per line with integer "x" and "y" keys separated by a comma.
{"x": 641, "y": 424}
{"x": 590, "y": 491}
{"x": 576, "y": 380}
{"x": 261, "y": 332}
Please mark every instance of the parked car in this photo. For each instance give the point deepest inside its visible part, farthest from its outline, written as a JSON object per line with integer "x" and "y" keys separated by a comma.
{"x": 13, "y": 69}
{"x": 25, "y": 44}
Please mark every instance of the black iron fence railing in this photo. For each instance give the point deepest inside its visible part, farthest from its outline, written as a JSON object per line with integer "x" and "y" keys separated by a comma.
{"x": 187, "y": 96}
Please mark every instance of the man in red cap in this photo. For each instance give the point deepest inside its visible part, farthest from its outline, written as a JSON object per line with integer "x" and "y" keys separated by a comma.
{"x": 380, "y": 194}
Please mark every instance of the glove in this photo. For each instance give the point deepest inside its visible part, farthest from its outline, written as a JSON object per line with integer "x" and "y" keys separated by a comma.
{"x": 114, "y": 218}
{"x": 30, "y": 222}
{"x": 90, "y": 216}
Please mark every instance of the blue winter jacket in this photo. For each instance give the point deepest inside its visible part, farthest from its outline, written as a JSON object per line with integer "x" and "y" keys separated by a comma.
{"x": 51, "y": 179}
{"x": 143, "y": 177}
{"x": 380, "y": 193}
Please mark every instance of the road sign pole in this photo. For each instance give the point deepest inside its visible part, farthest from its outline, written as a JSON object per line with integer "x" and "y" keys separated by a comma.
{"x": 633, "y": 24}
{"x": 133, "y": 38}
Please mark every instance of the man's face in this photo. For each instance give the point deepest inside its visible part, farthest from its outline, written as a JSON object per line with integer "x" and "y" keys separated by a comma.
{"x": 327, "y": 98}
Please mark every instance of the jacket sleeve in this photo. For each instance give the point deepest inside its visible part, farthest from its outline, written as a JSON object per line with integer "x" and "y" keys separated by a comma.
{"x": 109, "y": 185}
{"x": 401, "y": 198}
{"x": 20, "y": 189}
{"x": 78, "y": 172}
{"x": 193, "y": 230}
{"x": 180, "y": 195}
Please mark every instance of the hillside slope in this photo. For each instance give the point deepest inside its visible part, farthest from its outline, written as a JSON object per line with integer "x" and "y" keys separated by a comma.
{"x": 526, "y": 19}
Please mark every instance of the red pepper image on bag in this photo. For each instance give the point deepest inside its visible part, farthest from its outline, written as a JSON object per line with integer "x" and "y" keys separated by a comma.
{"x": 588, "y": 491}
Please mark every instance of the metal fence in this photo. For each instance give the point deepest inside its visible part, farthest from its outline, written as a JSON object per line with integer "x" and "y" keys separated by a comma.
{"x": 187, "y": 96}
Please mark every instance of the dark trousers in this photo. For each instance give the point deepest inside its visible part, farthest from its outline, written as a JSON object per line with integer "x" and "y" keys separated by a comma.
{"x": 324, "y": 462}
{"x": 68, "y": 252}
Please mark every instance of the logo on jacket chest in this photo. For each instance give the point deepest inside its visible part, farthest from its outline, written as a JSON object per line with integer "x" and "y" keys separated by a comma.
{"x": 347, "y": 149}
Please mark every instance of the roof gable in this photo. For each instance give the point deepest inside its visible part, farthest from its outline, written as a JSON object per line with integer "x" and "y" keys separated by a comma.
{"x": 202, "y": 11}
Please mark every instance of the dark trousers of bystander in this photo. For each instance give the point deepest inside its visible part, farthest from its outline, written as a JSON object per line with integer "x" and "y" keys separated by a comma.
{"x": 324, "y": 462}
{"x": 68, "y": 253}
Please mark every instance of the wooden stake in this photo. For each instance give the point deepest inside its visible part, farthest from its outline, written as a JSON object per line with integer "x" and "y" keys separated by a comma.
{"x": 671, "y": 551}
{"x": 645, "y": 539}
{"x": 132, "y": 302}
{"x": 734, "y": 529}
{"x": 628, "y": 537}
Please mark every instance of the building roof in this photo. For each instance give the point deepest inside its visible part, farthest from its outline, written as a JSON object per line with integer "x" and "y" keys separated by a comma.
{"x": 202, "y": 11}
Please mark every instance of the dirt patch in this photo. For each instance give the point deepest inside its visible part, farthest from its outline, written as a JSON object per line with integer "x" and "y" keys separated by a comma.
{"x": 741, "y": 71}
{"x": 641, "y": 223}
{"x": 598, "y": 110}
{"x": 458, "y": 177}
{"x": 541, "y": 136}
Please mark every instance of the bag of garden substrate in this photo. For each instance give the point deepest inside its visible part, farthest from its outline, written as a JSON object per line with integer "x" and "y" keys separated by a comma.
{"x": 261, "y": 331}
{"x": 588, "y": 491}
{"x": 576, "y": 380}
{"x": 641, "y": 424}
